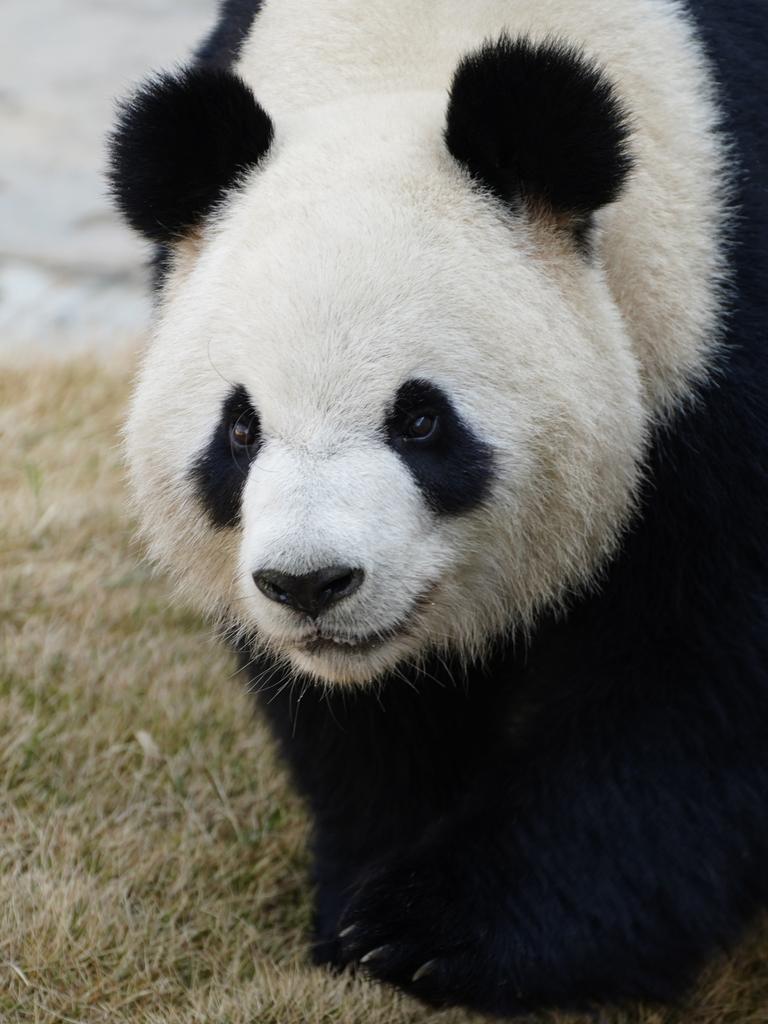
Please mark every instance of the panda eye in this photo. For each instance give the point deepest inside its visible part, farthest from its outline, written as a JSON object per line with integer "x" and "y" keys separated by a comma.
{"x": 422, "y": 426}
{"x": 244, "y": 433}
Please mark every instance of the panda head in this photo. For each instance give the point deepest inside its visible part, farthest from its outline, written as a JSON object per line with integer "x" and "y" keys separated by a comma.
{"x": 389, "y": 406}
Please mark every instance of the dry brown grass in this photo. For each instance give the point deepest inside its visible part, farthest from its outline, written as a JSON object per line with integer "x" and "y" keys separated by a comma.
{"x": 151, "y": 855}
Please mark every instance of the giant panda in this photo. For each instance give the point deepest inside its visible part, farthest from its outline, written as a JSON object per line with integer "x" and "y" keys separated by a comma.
{"x": 454, "y": 417}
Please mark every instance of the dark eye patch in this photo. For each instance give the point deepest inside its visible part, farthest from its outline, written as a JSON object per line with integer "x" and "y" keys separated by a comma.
{"x": 220, "y": 471}
{"x": 453, "y": 467}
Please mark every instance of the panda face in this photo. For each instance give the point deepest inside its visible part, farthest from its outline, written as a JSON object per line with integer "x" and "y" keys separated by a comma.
{"x": 381, "y": 414}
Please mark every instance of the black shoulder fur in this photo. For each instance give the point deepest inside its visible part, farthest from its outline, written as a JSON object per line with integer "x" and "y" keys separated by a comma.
{"x": 223, "y": 45}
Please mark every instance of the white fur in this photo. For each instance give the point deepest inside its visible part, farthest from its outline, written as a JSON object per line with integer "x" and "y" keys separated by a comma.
{"x": 359, "y": 257}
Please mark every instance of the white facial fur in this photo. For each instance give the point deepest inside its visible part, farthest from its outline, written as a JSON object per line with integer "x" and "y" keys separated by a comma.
{"x": 360, "y": 257}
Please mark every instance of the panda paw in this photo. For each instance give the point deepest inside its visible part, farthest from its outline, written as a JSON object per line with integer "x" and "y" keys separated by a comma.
{"x": 430, "y": 930}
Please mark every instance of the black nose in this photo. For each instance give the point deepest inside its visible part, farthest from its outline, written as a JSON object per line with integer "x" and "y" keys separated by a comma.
{"x": 311, "y": 593}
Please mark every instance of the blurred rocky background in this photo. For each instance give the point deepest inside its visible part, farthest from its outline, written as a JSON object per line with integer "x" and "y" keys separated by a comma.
{"x": 71, "y": 276}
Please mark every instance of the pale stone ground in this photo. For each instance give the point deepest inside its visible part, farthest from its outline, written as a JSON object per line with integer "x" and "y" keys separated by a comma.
{"x": 71, "y": 276}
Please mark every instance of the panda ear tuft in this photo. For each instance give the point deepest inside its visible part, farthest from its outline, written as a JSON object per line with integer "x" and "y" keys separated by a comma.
{"x": 539, "y": 124}
{"x": 180, "y": 143}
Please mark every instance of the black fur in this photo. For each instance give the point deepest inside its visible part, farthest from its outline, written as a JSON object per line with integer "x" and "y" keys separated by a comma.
{"x": 584, "y": 820}
{"x": 220, "y": 471}
{"x": 454, "y": 469}
{"x": 181, "y": 142}
{"x": 539, "y": 123}
{"x": 235, "y": 20}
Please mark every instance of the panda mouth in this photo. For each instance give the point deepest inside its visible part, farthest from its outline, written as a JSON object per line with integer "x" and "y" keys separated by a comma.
{"x": 334, "y": 643}
{"x": 325, "y": 644}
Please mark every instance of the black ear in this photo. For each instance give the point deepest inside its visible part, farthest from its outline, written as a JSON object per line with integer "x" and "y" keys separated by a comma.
{"x": 539, "y": 123}
{"x": 180, "y": 142}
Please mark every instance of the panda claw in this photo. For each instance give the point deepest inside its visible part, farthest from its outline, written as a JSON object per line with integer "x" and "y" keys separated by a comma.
{"x": 374, "y": 954}
{"x": 348, "y": 932}
{"x": 424, "y": 970}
